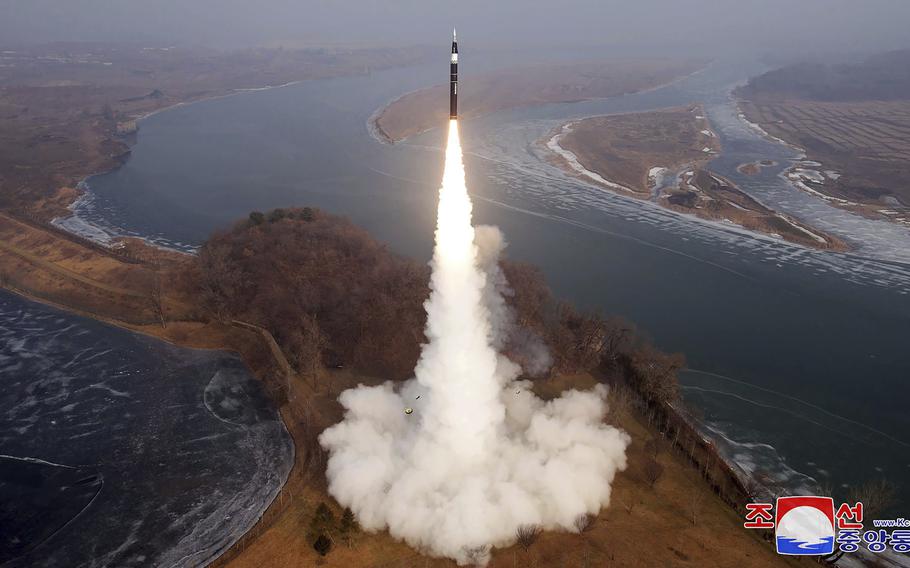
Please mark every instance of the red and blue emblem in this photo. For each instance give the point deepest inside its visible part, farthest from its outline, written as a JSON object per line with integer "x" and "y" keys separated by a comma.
{"x": 805, "y": 526}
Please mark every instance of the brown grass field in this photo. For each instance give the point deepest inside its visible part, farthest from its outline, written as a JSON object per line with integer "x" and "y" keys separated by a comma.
{"x": 868, "y": 143}
{"x": 680, "y": 522}
{"x": 622, "y": 148}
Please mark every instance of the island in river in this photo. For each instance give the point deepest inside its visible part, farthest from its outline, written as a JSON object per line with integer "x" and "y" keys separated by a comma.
{"x": 514, "y": 87}
{"x": 755, "y": 168}
{"x": 662, "y": 156}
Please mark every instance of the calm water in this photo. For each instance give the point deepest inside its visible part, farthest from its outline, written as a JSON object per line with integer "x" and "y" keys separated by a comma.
{"x": 798, "y": 358}
{"x": 120, "y": 450}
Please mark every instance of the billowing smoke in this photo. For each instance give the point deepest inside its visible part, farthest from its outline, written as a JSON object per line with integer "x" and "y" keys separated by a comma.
{"x": 479, "y": 454}
{"x": 523, "y": 345}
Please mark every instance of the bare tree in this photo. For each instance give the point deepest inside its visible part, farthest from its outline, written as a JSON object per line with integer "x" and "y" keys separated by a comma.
{"x": 773, "y": 488}
{"x": 477, "y": 555}
{"x": 220, "y": 279}
{"x": 584, "y": 522}
{"x": 591, "y": 339}
{"x": 527, "y": 535}
{"x": 348, "y": 527}
{"x": 653, "y": 447}
{"x": 629, "y": 504}
{"x": 655, "y": 373}
{"x": 710, "y": 458}
{"x": 753, "y": 488}
{"x": 307, "y": 345}
{"x": 618, "y": 335}
{"x": 696, "y": 499}
{"x": 619, "y": 398}
{"x": 876, "y": 496}
{"x": 653, "y": 471}
{"x": 156, "y": 297}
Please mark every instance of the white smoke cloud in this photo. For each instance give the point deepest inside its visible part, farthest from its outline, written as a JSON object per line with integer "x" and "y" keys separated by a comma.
{"x": 505, "y": 333}
{"x": 480, "y": 455}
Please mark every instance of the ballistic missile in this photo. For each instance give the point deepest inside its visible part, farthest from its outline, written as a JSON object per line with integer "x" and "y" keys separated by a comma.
{"x": 453, "y": 79}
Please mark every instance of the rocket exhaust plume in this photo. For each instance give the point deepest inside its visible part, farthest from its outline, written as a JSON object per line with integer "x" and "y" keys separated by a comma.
{"x": 456, "y": 459}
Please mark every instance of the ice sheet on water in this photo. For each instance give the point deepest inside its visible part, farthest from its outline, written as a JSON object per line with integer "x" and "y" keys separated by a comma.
{"x": 135, "y": 409}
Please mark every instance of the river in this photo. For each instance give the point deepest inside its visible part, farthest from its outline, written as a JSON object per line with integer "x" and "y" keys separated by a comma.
{"x": 797, "y": 358}
{"x": 117, "y": 449}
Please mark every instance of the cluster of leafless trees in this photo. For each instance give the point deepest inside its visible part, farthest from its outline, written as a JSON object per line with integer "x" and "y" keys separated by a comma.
{"x": 332, "y": 295}
{"x": 328, "y": 292}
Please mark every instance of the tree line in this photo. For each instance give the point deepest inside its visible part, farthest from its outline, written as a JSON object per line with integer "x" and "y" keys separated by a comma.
{"x": 331, "y": 295}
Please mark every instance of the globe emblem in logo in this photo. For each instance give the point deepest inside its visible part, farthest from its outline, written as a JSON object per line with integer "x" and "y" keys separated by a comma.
{"x": 805, "y": 526}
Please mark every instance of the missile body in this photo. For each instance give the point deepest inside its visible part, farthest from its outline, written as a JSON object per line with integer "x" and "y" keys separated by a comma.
{"x": 453, "y": 79}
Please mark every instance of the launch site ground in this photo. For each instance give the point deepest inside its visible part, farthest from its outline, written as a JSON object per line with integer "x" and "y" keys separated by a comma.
{"x": 680, "y": 521}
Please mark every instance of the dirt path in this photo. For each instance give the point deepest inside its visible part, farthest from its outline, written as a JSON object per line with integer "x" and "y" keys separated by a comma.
{"x": 65, "y": 272}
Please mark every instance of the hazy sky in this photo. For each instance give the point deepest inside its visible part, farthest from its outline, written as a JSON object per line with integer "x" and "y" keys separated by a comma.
{"x": 811, "y": 25}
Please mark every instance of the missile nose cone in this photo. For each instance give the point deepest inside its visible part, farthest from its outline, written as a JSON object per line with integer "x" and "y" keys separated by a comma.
{"x": 454, "y": 35}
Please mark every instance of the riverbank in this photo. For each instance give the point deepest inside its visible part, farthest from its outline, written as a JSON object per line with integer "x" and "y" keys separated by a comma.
{"x": 418, "y": 111}
{"x": 661, "y": 156}
{"x": 145, "y": 293}
{"x": 66, "y": 117}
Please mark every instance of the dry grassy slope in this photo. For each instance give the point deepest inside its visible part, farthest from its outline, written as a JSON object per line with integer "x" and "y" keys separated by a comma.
{"x": 656, "y": 532}
{"x": 51, "y": 267}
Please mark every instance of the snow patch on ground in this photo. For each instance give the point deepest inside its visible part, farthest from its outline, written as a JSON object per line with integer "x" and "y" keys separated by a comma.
{"x": 811, "y": 175}
{"x": 802, "y": 229}
{"x": 798, "y": 177}
{"x": 575, "y": 165}
{"x": 87, "y": 220}
{"x": 80, "y": 227}
{"x": 756, "y": 127}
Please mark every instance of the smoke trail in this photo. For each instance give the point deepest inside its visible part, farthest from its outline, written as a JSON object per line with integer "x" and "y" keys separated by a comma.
{"x": 524, "y": 346}
{"x": 480, "y": 455}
